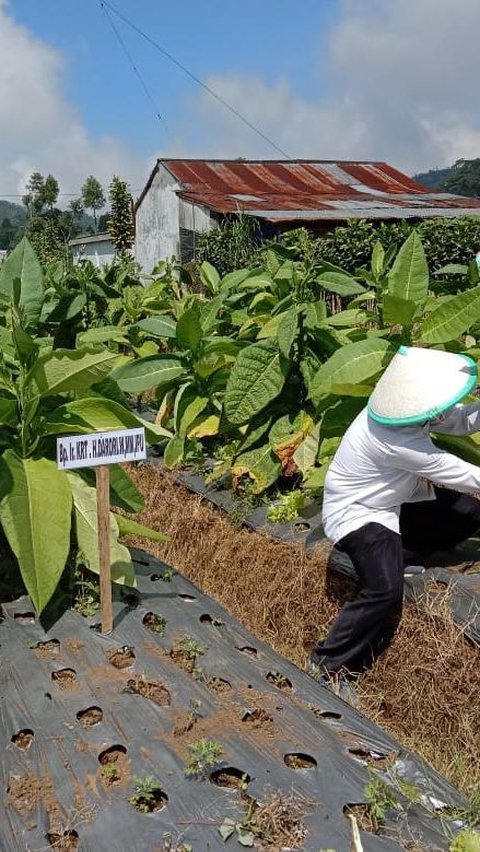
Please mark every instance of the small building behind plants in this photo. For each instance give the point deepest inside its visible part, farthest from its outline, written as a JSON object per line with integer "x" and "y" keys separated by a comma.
{"x": 184, "y": 198}
{"x": 98, "y": 248}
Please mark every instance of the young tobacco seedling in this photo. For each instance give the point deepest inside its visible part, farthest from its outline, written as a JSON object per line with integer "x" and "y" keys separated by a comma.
{"x": 379, "y": 798}
{"x": 203, "y": 754}
{"x": 287, "y": 509}
{"x": 145, "y": 787}
{"x": 191, "y": 648}
{"x": 109, "y": 771}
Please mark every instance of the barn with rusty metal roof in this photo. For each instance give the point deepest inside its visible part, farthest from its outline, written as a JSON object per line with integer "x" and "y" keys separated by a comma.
{"x": 183, "y": 198}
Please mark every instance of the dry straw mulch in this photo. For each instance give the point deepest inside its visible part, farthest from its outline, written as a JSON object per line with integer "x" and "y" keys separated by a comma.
{"x": 424, "y": 690}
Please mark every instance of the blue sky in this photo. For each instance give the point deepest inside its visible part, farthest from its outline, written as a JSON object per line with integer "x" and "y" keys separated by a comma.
{"x": 257, "y": 38}
{"x": 324, "y": 79}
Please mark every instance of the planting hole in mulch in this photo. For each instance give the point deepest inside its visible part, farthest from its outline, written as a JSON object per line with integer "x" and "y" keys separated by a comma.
{"x": 97, "y": 627}
{"x": 218, "y": 685}
{"x": 65, "y": 678}
{"x": 152, "y": 689}
{"x": 230, "y": 777}
{"x": 324, "y": 714}
{"x": 298, "y": 760}
{"x": 249, "y": 650}
{"x": 280, "y": 681}
{"x": 301, "y": 526}
{"x": 90, "y": 716}
{"x": 66, "y": 842}
{"x": 152, "y": 802}
{"x": 121, "y": 658}
{"x": 23, "y": 739}
{"x": 361, "y": 812}
{"x": 24, "y": 617}
{"x": 187, "y": 598}
{"x": 374, "y": 758}
{"x": 258, "y": 719}
{"x": 113, "y": 762}
{"x": 48, "y": 647}
{"x": 155, "y": 623}
{"x": 206, "y": 618}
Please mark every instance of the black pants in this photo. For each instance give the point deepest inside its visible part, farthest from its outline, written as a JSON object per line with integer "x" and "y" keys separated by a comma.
{"x": 365, "y": 625}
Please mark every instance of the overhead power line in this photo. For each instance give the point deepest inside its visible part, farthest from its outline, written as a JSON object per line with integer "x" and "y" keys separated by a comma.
{"x": 193, "y": 77}
{"x": 132, "y": 63}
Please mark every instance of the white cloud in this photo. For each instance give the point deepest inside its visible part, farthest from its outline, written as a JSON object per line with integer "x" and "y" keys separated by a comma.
{"x": 403, "y": 88}
{"x": 39, "y": 129}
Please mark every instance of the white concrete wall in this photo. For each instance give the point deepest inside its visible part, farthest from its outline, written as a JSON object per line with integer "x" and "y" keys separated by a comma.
{"x": 99, "y": 253}
{"x": 157, "y": 232}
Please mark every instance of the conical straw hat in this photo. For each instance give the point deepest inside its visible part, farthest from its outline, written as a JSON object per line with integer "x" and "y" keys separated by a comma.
{"x": 419, "y": 384}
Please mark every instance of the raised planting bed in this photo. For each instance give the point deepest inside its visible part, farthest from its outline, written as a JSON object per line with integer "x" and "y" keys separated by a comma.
{"x": 182, "y": 731}
{"x": 455, "y": 574}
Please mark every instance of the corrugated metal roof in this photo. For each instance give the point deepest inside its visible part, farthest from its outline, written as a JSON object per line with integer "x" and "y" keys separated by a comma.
{"x": 281, "y": 190}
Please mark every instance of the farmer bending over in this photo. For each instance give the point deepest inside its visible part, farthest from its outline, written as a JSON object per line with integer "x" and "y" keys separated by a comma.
{"x": 382, "y": 505}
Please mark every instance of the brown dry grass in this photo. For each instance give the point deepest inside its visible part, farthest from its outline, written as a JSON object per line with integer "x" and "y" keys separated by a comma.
{"x": 424, "y": 690}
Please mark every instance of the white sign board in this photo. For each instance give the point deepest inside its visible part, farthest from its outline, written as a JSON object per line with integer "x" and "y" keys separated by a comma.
{"x": 121, "y": 445}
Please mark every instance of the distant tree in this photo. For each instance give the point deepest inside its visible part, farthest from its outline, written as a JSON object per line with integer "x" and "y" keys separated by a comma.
{"x": 49, "y": 192}
{"x": 76, "y": 208}
{"x": 32, "y": 199}
{"x": 103, "y": 222}
{"x": 120, "y": 224}
{"x": 8, "y": 232}
{"x": 464, "y": 178}
{"x": 93, "y": 196}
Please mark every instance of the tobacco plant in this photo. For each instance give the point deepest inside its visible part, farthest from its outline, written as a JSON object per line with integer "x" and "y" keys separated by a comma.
{"x": 45, "y": 392}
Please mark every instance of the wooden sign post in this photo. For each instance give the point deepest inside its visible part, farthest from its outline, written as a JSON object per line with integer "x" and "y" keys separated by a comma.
{"x": 99, "y": 450}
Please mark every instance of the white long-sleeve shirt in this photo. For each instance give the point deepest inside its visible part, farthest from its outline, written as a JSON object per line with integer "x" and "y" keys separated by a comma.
{"x": 377, "y": 468}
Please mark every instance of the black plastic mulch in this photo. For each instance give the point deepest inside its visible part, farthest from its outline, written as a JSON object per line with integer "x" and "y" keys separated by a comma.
{"x": 52, "y": 766}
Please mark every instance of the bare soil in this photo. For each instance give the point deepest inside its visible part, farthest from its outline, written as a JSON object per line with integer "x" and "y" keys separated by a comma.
{"x": 65, "y": 678}
{"x": 90, "y": 716}
{"x": 23, "y": 739}
{"x": 121, "y": 658}
{"x": 152, "y": 689}
{"x": 66, "y": 842}
{"x": 423, "y": 690}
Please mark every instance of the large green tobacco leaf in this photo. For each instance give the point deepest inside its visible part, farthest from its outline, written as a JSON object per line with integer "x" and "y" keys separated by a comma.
{"x": 463, "y": 446}
{"x": 340, "y": 283}
{"x": 123, "y": 492}
{"x": 127, "y": 526}
{"x": 69, "y": 370}
{"x": 353, "y": 363}
{"x": 256, "y": 379}
{"x": 398, "y": 311}
{"x": 306, "y": 453}
{"x": 261, "y": 465}
{"x": 159, "y": 326}
{"x": 338, "y": 417}
{"x": 345, "y": 319}
{"x": 209, "y": 312}
{"x": 209, "y": 277}
{"x": 451, "y": 318}
{"x": 174, "y": 451}
{"x": 408, "y": 277}
{"x": 35, "y": 512}
{"x": 287, "y": 332}
{"x": 99, "y": 414}
{"x": 146, "y": 373}
{"x": 22, "y": 264}
{"x": 85, "y": 507}
{"x": 102, "y": 334}
{"x": 8, "y": 412}
{"x": 189, "y": 331}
